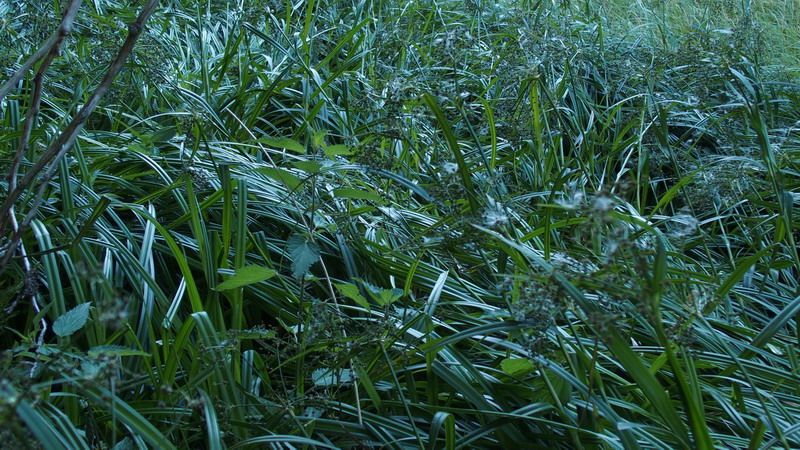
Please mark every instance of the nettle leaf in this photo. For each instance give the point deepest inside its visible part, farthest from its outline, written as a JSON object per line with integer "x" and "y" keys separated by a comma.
{"x": 48, "y": 350}
{"x": 286, "y": 143}
{"x": 388, "y": 296}
{"x": 517, "y": 366}
{"x": 304, "y": 253}
{"x": 319, "y": 138}
{"x": 351, "y": 291}
{"x": 115, "y": 350}
{"x": 125, "y": 444}
{"x": 245, "y": 276}
{"x": 90, "y": 369}
{"x": 73, "y": 320}
{"x": 329, "y": 377}
{"x": 340, "y": 149}
{"x": 281, "y": 176}
{"x": 308, "y": 166}
{"x": 382, "y": 297}
{"x": 369, "y": 286}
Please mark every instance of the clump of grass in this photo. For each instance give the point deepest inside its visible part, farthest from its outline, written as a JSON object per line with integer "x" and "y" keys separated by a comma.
{"x": 425, "y": 224}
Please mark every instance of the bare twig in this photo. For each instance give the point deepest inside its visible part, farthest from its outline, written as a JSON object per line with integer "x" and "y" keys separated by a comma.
{"x": 33, "y": 113}
{"x": 48, "y": 51}
{"x": 53, "y": 48}
{"x": 59, "y": 148}
{"x": 54, "y": 40}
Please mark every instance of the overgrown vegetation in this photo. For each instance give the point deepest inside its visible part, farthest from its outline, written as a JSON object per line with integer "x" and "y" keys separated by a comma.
{"x": 426, "y": 224}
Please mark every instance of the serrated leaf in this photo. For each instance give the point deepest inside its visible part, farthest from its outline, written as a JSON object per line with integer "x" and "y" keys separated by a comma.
{"x": 48, "y": 350}
{"x": 328, "y": 377}
{"x": 319, "y": 138}
{"x": 308, "y": 166}
{"x": 517, "y": 366}
{"x": 73, "y": 320}
{"x": 304, "y": 253}
{"x": 369, "y": 286}
{"x": 357, "y": 194}
{"x": 382, "y": 297}
{"x": 245, "y": 276}
{"x": 125, "y": 444}
{"x": 351, "y": 291}
{"x": 388, "y": 296}
{"x": 90, "y": 369}
{"x": 281, "y": 176}
{"x": 286, "y": 143}
{"x": 115, "y": 350}
{"x": 340, "y": 149}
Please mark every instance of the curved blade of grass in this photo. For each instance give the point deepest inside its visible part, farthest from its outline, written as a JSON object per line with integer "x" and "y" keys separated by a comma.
{"x": 772, "y": 328}
{"x": 191, "y": 286}
{"x": 40, "y": 427}
{"x": 452, "y": 142}
{"x": 211, "y": 423}
{"x": 278, "y": 439}
{"x": 223, "y": 372}
{"x": 443, "y": 420}
{"x": 741, "y": 268}
{"x": 135, "y": 422}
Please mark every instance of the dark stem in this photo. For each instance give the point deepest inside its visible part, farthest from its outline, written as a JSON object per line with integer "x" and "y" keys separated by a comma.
{"x": 61, "y": 146}
{"x": 54, "y": 40}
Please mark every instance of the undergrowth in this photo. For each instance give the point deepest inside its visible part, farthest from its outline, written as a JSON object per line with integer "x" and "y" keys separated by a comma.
{"x": 426, "y": 224}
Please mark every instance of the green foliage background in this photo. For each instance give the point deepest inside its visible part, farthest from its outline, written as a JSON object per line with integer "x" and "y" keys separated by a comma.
{"x": 423, "y": 224}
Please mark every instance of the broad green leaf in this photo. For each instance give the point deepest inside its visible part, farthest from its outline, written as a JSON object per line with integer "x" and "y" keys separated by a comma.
{"x": 340, "y": 149}
{"x": 388, "y": 296}
{"x": 125, "y": 444}
{"x": 115, "y": 350}
{"x": 517, "y": 366}
{"x": 288, "y": 144}
{"x": 72, "y": 320}
{"x": 351, "y": 291}
{"x": 308, "y": 166}
{"x": 304, "y": 253}
{"x": 382, "y": 297}
{"x": 245, "y": 276}
{"x": 282, "y": 176}
{"x": 318, "y": 138}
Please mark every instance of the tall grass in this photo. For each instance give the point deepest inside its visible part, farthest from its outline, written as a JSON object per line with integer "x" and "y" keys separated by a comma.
{"x": 407, "y": 225}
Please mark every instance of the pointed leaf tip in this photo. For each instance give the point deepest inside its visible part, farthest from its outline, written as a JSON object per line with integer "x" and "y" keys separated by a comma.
{"x": 73, "y": 320}
{"x": 304, "y": 253}
{"x": 245, "y": 276}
